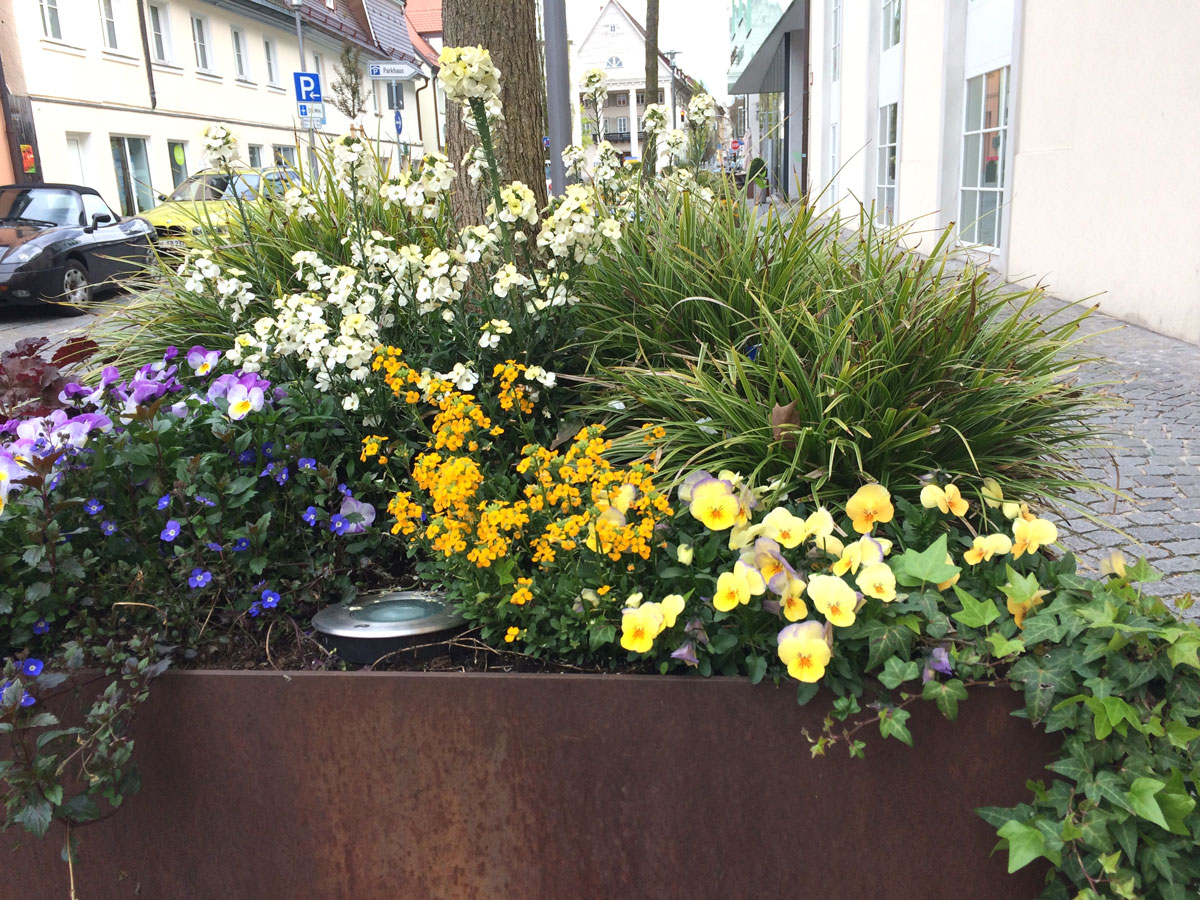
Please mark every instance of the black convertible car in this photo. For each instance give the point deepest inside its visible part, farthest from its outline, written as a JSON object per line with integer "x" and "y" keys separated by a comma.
{"x": 58, "y": 241}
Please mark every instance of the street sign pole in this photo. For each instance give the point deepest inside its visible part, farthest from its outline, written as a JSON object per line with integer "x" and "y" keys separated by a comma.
{"x": 558, "y": 90}
{"x": 312, "y": 142}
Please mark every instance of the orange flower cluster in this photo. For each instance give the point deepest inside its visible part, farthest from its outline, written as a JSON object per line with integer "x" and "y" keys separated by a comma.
{"x": 512, "y": 394}
{"x": 372, "y": 446}
{"x": 406, "y": 512}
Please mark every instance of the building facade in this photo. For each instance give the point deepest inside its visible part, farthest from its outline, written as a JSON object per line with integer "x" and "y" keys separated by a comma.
{"x": 616, "y": 44}
{"x": 1012, "y": 122}
{"x": 120, "y": 91}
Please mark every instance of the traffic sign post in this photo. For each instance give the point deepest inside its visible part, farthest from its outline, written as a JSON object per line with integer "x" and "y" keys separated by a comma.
{"x": 309, "y": 108}
{"x": 308, "y": 87}
{"x": 389, "y": 70}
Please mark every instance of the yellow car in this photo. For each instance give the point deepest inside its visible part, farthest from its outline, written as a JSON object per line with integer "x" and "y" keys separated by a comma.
{"x": 208, "y": 200}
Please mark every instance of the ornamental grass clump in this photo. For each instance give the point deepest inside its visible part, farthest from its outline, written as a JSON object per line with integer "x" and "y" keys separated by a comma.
{"x": 792, "y": 351}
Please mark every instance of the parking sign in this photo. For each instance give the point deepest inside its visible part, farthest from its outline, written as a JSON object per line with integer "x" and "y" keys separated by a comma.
{"x": 308, "y": 87}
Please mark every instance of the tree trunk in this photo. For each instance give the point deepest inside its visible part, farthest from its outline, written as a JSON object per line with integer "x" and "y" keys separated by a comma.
{"x": 508, "y": 29}
{"x": 651, "y": 94}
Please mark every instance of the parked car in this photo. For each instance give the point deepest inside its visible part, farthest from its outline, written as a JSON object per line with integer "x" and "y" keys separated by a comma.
{"x": 59, "y": 241}
{"x": 208, "y": 200}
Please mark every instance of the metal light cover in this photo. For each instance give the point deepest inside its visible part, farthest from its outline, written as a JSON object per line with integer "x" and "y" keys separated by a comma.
{"x": 390, "y": 614}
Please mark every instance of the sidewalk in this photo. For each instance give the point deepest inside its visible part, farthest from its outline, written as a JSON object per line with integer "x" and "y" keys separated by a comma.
{"x": 1156, "y": 451}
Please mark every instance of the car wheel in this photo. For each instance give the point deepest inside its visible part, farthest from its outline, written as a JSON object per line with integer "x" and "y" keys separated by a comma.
{"x": 75, "y": 289}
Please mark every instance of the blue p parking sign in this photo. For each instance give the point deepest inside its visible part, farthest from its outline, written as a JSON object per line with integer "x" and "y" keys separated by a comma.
{"x": 308, "y": 87}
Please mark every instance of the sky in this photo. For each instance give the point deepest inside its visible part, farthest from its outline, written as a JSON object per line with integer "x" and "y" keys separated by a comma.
{"x": 698, "y": 29}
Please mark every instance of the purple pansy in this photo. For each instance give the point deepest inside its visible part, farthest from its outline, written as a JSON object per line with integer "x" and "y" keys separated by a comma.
{"x": 201, "y": 360}
{"x": 358, "y": 515}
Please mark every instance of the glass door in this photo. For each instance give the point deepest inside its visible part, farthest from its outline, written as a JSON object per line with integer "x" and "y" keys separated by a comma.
{"x": 985, "y": 140}
{"x": 131, "y": 164}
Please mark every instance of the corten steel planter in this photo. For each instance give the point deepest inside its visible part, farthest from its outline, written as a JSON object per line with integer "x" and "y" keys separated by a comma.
{"x": 259, "y": 786}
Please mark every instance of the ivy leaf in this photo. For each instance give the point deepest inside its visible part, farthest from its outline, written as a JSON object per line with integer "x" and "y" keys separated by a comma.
{"x": 1176, "y": 804}
{"x": 600, "y": 635}
{"x": 1002, "y": 646}
{"x": 1183, "y": 651}
{"x": 927, "y": 567}
{"x": 946, "y": 695}
{"x": 81, "y": 808}
{"x": 892, "y": 724}
{"x": 1025, "y": 844}
{"x": 1042, "y": 627}
{"x": 975, "y": 613}
{"x": 896, "y": 672}
{"x": 1181, "y": 734}
{"x": 1141, "y": 796}
{"x": 885, "y": 639}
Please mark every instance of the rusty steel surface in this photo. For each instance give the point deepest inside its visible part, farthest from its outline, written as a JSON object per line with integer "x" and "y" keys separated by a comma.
{"x": 298, "y": 785}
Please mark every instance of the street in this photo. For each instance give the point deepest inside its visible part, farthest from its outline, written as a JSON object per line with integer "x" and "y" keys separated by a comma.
{"x": 18, "y": 323}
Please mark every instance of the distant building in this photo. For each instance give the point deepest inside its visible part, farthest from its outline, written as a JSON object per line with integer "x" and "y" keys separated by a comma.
{"x": 1013, "y": 121}
{"x": 425, "y": 31}
{"x": 117, "y": 92}
{"x": 616, "y": 44}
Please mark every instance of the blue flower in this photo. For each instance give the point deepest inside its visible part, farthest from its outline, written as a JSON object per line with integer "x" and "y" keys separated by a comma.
{"x": 241, "y": 544}
{"x": 214, "y": 546}
{"x": 346, "y": 492}
{"x": 199, "y": 578}
{"x": 171, "y": 531}
{"x": 108, "y": 527}
{"x": 204, "y": 500}
{"x": 310, "y": 515}
{"x": 267, "y": 448}
{"x": 338, "y": 524}
{"x": 306, "y": 462}
{"x": 267, "y": 471}
{"x": 247, "y": 456}
{"x": 41, "y": 626}
{"x": 270, "y": 599}
{"x": 27, "y": 699}
{"x": 54, "y": 482}
{"x": 32, "y": 668}
{"x": 254, "y": 609}
{"x": 92, "y": 507}
{"x": 164, "y": 501}
{"x": 282, "y": 475}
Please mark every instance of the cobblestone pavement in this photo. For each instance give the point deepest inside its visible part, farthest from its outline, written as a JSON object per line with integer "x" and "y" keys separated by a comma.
{"x": 18, "y": 323}
{"x": 1155, "y": 437}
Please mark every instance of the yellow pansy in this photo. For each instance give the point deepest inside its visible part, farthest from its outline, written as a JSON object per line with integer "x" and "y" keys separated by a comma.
{"x": 804, "y": 650}
{"x": 732, "y": 589}
{"x": 1022, "y": 608}
{"x": 741, "y": 536}
{"x": 984, "y": 547}
{"x": 1012, "y": 509}
{"x": 746, "y": 570}
{"x": 993, "y": 496}
{"x": 784, "y": 528}
{"x": 622, "y": 497}
{"x": 950, "y": 582}
{"x": 792, "y": 604}
{"x": 1113, "y": 564}
{"x": 640, "y": 626}
{"x": 834, "y": 598}
{"x": 671, "y": 606}
{"x": 684, "y": 554}
{"x": 830, "y": 544}
{"x": 1030, "y": 535}
{"x": 870, "y": 504}
{"x": 819, "y": 523}
{"x": 877, "y": 580}
{"x": 863, "y": 552}
{"x": 948, "y": 499}
{"x": 714, "y": 504}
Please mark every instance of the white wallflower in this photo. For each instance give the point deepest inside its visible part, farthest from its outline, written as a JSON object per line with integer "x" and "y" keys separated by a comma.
{"x": 467, "y": 73}
{"x": 506, "y": 278}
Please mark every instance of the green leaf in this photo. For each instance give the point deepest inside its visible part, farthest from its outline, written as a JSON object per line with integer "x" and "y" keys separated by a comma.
{"x": 1109, "y": 862}
{"x": 1184, "y": 651}
{"x": 896, "y": 672}
{"x": 756, "y": 667}
{"x": 81, "y": 808}
{"x": 600, "y": 636}
{"x": 946, "y": 695}
{"x": 1180, "y": 734}
{"x": 884, "y": 640}
{"x": 1176, "y": 804}
{"x": 1042, "y": 627}
{"x": 892, "y": 724}
{"x": 1002, "y": 646}
{"x": 927, "y": 567}
{"x": 1025, "y": 844}
{"x": 35, "y": 817}
{"x": 975, "y": 613}
{"x": 1141, "y": 796}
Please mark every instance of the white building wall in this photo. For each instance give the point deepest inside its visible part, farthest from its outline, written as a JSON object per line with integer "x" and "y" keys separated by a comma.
{"x": 90, "y": 93}
{"x": 922, "y": 119}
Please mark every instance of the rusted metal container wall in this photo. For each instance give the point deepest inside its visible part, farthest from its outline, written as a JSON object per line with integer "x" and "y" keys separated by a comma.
{"x": 406, "y": 785}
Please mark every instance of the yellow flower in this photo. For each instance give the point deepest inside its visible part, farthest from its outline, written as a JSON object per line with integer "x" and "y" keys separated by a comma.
{"x": 830, "y": 544}
{"x": 671, "y": 606}
{"x": 732, "y": 589}
{"x": 993, "y": 496}
{"x": 640, "y": 626}
{"x": 744, "y": 535}
{"x": 1030, "y": 535}
{"x": 751, "y": 575}
{"x": 819, "y": 523}
{"x": 1022, "y": 608}
{"x": 714, "y": 504}
{"x": 877, "y": 580}
{"x": 870, "y": 504}
{"x": 863, "y": 552}
{"x": 792, "y": 604}
{"x": 783, "y": 527}
{"x": 522, "y": 594}
{"x": 984, "y": 547}
{"x": 511, "y": 634}
{"x": 684, "y": 554}
{"x": 804, "y": 650}
{"x": 950, "y": 582}
{"x": 948, "y": 499}
{"x": 834, "y": 598}
{"x": 1113, "y": 564}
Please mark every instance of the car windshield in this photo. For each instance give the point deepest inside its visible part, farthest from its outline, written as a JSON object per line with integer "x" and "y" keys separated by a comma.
{"x": 53, "y": 206}
{"x": 218, "y": 186}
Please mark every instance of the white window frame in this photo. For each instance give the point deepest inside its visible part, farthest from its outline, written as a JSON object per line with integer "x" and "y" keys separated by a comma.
{"x": 318, "y": 61}
{"x": 251, "y": 151}
{"x": 968, "y": 230}
{"x": 51, "y": 20}
{"x": 891, "y": 25}
{"x": 108, "y": 24}
{"x": 241, "y": 58}
{"x": 835, "y": 40}
{"x": 201, "y": 41}
{"x": 160, "y": 39}
{"x": 622, "y": 124}
{"x": 887, "y": 140}
{"x": 272, "y": 61}
{"x": 614, "y": 62}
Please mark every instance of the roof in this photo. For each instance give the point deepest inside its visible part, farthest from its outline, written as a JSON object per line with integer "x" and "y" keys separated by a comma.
{"x": 423, "y": 48}
{"x": 370, "y": 25}
{"x": 389, "y": 27}
{"x": 641, "y": 30}
{"x": 425, "y": 15}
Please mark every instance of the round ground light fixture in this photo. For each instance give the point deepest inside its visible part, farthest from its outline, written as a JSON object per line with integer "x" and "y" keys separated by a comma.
{"x": 377, "y": 624}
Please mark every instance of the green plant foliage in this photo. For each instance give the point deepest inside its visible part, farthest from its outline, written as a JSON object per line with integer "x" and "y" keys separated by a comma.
{"x": 789, "y": 349}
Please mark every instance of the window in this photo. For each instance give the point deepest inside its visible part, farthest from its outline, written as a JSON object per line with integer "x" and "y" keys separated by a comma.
{"x": 890, "y": 24}
{"x": 621, "y": 99}
{"x": 641, "y": 98}
{"x": 660, "y": 95}
{"x": 108, "y": 24}
{"x": 285, "y": 155}
{"x": 272, "y": 61}
{"x": 94, "y": 205}
{"x": 622, "y": 124}
{"x": 51, "y": 27}
{"x": 319, "y": 66}
{"x": 177, "y": 150}
{"x": 395, "y": 94}
{"x": 255, "y": 151}
{"x": 160, "y": 33}
{"x": 240, "y": 63}
{"x": 985, "y": 140}
{"x": 835, "y": 41}
{"x": 834, "y": 164}
{"x": 200, "y": 43}
{"x": 885, "y": 184}
{"x": 613, "y": 62}
{"x": 76, "y": 156}
{"x": 132, "y": 166}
